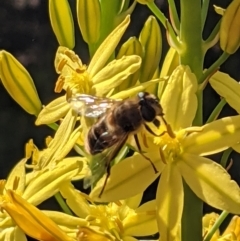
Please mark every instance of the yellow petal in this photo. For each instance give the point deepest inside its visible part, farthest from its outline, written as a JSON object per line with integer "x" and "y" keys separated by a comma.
{"x": 47, "y": 182}
{"x": 62, "y": 22}
{"x": 214, "y": 137}
{"x": 210, "y": 182}
{"x": 78, "y": 204}
{"x": 128, "y": 178}
{"x": 142, "y": 222}
{"x": 63, "y": 141}
{"x": 19, "y": 83}
{"x": 131, "y": 47}
{"x": 115, "y": 73}
{"x": 121, "y": 67}
{"x": 179, "y": 100}
{"x": 94, "y": 234}
{"x": 107, "y": 47}
{"x": 169, "y": 203}
{"x": 18, "y": 174}
{"x": 63, "y": 219}
{"x": 134, "y": 202}
{"x": 129, "y": 238}
{"x": 228, "y": 88}
{"x": 12, "y": 234}
{"x": 134, "y": 90}
{"x": 31, "y": 220}
{"x": 170, "y": 63}
{"x": 53, "y": 112}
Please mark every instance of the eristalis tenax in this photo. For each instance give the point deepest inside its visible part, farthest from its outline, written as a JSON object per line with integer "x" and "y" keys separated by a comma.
{"x": 116, "y": 121}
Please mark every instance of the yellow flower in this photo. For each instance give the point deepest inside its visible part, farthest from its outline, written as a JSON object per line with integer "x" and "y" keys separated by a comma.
{"x": 117, "y": 221}
{"x": 21, "y": 192}
{"x": 231, "y": 233}
{"x": 178, "y": 155}
{"x": 30, "y": 220}
{"x": 229, "y": 89}
{"x": 96, "y": 79}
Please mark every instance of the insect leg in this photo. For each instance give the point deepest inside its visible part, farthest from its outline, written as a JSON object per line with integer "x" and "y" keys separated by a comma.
{"x": 140, "y": 152}
{"x": 150, "y": 131}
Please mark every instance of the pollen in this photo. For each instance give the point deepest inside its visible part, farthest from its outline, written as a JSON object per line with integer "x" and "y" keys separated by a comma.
{"x": 170, "y": 147}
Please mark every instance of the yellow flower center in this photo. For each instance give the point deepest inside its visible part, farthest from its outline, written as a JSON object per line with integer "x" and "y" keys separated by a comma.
{"x": 170, "y": 146}
{"x": 108, "y": 217}
{"x": 73, "y": 74}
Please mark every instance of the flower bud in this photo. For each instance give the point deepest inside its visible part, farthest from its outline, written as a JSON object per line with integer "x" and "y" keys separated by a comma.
{"x": 62, "y": 22}
{"x": 19, "y": 83}
{"x": 89, "y": 18}
{"x": 131, "y": 47}
{"x": 151, "y": 40}
{"x": 230, "y": 28}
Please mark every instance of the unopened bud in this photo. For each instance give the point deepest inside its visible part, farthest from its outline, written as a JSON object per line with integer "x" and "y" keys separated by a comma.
{"x": 151, "y": 40}
{"x": 230, "y": 28}
{"x": 89, "y": 18}
{"x": 19, "y": 83}
{"x": 131, "y": 47}
{"x": 62, "y": 22}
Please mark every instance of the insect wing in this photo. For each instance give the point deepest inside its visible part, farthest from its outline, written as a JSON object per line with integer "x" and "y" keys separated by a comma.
{"x": 90, "y": 106}
{"x": 101, "y": 163}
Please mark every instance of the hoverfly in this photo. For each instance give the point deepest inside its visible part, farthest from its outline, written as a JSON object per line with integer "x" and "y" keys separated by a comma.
{"x": 116, "y": 120}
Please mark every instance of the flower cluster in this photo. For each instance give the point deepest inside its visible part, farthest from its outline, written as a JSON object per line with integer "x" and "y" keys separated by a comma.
{"x": 177, "y": 146}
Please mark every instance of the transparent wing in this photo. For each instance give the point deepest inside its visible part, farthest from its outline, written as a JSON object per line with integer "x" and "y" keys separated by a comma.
{"x": 99, "y": 162}
{"x": 90, "y": 106}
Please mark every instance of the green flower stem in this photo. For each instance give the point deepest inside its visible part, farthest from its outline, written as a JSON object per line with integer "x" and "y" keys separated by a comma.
{"x": 192, "y": 216}
{"x": 216, "y": 111}
{"x": 214, "y": 67}
{"x": 225, "y": 157}
{"x": 53, "y": 126}
{"x": 204, "y": 13}
{"x": 62, "y": 204}
{"x": 191, "y": 54}
{"x": 109, "y": 11}
{"x": 174, "y": 14}
{"x": 156, "y": 11}
{"x": 92, "y": 49}
{"x": 211, "y": 40}
{"x": 216, "y": 226}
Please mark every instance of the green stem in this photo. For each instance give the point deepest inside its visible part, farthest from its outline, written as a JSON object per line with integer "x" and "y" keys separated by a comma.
{"x": 174, "y": 14}
{"x": 205, "y": 5}
{"x": 216, "y": 226}
{"x": 192, "y": 216}
{"x": 225, "y": 157}
{"x": 191, "y": 54}
{"x": 62, "y": 204}
{"x": 214, "y": 67}
{"x": 156, "y": 11}
{"x": 191, "y": 36}
{"x": 212, "y": 36}
{"x": 216, "y": 111}
{"x": 54, "y": 126}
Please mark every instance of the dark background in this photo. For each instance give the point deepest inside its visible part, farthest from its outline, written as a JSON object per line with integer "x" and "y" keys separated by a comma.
{"x": 25, "y": 31}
